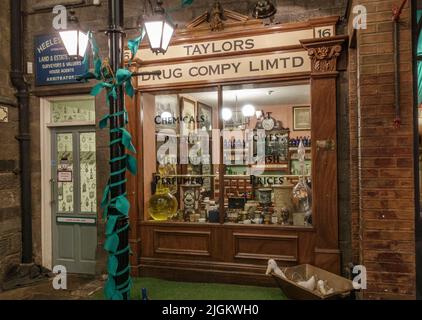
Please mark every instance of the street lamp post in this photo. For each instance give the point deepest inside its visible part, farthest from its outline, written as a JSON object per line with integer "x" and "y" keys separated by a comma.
{"x": 117, "y": 150}
{"x": 160, "y": 31}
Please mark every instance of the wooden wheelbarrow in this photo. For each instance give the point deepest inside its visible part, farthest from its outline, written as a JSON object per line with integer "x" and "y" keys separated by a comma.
{"x": 343, "y": 288}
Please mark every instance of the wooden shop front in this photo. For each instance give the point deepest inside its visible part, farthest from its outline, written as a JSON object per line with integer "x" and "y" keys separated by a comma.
{"x": 286, "y": 77}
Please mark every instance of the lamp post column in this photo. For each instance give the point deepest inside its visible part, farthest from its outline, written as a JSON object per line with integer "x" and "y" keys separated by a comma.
{"x": 117, "y": 151}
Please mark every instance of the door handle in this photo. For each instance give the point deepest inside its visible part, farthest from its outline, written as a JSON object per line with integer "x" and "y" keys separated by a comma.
{"x": 53, "y": 189}
{"x": 326, "y": 145}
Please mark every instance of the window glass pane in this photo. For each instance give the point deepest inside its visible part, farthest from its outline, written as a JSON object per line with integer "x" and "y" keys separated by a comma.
{"x": 65, "y": 192}
{"x": 72, "y": 111}
{"x": 179, "y": 169}
{"x": 88, "y": 174}
{"x": 265, "y": 149}
{"x": 267, "y": 153}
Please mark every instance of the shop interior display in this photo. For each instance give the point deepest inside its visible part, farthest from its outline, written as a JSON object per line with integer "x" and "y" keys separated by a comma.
{"x": 267, "y": 165}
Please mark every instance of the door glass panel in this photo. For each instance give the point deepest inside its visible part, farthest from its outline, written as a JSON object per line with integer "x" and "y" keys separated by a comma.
{"x": 65, "y": 192}
{"x": 88, "y": 173}
{"x": 71, "y": 111}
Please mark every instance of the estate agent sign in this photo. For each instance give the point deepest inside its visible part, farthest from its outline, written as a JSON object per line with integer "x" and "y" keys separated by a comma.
{"x": 53, "y": 65}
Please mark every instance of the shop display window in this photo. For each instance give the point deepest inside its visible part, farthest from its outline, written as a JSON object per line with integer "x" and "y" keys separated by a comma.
{"x": 238, "y": 154}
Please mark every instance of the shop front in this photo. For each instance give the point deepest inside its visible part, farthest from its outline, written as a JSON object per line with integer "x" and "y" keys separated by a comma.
{"x": 237, "y": 159}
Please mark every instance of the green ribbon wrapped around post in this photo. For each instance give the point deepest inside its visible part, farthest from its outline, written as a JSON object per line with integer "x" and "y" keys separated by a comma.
{"x": 110, "y": 83}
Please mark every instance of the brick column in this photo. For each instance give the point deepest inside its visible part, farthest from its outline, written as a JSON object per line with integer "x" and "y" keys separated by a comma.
{"x": 382, "y": 157}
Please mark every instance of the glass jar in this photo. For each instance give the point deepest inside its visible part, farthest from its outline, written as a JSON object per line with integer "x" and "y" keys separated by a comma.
{"x": 302, "y": 199}
{"x": 163, "y": 205}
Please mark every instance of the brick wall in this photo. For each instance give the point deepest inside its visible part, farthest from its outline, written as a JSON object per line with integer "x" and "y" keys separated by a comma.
{"x": 382, "y": 177}
{"x": 10, "y": 237}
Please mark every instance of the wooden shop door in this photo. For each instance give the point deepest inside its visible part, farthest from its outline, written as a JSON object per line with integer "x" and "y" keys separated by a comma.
{"x": 74, "y": 199}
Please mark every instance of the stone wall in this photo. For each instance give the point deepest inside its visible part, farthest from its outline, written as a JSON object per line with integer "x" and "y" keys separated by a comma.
{"x": 10, "y": 230}
{"x": 382, "y": 177}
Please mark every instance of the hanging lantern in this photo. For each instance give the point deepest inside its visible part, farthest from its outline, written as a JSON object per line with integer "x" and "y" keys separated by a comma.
{"x": 159, "y": 29}
{"x": 264, "y": 10}
{"x": 74, "y": 40}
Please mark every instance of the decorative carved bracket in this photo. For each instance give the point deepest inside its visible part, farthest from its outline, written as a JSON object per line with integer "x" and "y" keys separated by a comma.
{"x": 324, "y": 53}
{"x": 217, "y": 18}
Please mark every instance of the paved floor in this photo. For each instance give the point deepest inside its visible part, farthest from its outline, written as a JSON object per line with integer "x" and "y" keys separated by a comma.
{"x": 78, "y": 288}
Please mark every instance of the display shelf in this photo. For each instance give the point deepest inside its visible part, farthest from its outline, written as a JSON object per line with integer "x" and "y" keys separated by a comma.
{"x": 227, "y": 225}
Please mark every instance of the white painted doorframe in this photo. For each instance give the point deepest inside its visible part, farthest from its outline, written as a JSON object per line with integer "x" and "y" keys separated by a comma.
{"x": 46, "y": 156}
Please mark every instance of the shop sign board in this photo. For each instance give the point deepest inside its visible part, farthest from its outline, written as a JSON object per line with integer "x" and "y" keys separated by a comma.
{"x": 52, "y": 64}
{"x": 261, "y": 55}
{"x": 227, "y": 69}
{"x": 237, "y": 44}
{"x": 64, "y": 176}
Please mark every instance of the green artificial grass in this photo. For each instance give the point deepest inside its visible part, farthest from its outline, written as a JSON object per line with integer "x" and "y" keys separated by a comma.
{"x": 171, "y": 290}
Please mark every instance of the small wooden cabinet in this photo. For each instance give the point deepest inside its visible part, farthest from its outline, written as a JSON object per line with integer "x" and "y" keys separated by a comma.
{"x": 224, "y": 253}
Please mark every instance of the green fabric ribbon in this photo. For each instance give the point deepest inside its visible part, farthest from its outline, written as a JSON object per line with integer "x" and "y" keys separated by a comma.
{"x": 121, "y": 204}
{"x": 134, "y": 44}
{"x": 186, "y": 3}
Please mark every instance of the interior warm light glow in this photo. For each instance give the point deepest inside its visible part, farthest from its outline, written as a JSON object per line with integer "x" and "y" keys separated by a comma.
{"x": 227, "y": 114}
{"x": 166, "y": 116}
{"x": 248, "y": 110}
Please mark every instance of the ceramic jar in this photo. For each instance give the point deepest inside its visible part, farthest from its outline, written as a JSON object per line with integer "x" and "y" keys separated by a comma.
{"x": 190, "y": 196}
{"x": 264, "y": 196}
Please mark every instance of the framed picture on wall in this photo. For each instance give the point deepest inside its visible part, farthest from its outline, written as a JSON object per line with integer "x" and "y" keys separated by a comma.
{"x": 188, "y": 114}
{"x": 204, "y": 117}
{"x": 301, "y": 118}
{"x": 166, "y": 112}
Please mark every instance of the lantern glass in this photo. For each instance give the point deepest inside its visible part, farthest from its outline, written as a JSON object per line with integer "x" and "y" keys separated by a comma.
{"x": 167, "y": 35}
{"x": 154, "y": 31}
{"x": 83, "y": 44}
{"x": 75, "y": 42}
{"x": 159, "y": 31}
{"x": 69, "y": 39}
